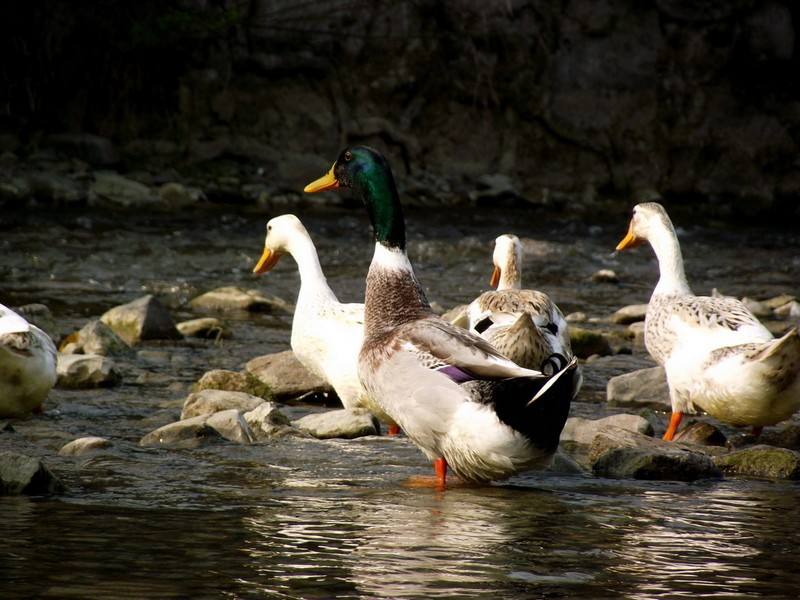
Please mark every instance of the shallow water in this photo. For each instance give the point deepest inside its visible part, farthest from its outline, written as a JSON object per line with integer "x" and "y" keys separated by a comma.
{"x": 299, "y": 518}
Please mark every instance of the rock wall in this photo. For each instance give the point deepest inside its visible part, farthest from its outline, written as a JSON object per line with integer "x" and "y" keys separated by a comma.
{"x": 588, "y": 102}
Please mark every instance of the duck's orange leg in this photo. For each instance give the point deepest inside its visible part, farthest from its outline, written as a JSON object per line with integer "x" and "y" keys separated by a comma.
{"x": 440, "y": 466}
{"x": 674, "y": 421}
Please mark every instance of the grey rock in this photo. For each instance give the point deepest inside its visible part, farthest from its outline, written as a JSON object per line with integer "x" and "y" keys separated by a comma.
{"x": 176, "y": 195}
{"x": 605, "y": 276}
{"x": 700, "y": 433}
{"x": 208, "y": 402}
{"x": 21, "y": 474}
{"x": 779, "y": 301}
{"x": 630, "y": 314}
{"x": 267, "y": 421}
{"x": 116, "y": 190}
{"x": 84, "y": 445}
{"x": 786, "y": 436}
{"x": 97, "y": 338}
{"x": 84, "y": 371}
{"x": 759, "y": 309}
{"x": 93, "y": 149}
{"x": 576, "y": 317}
{"x": 564, "y": 463}
{"x": 55, "y": 188}
{"x": 187, "y": 433}
{"x": 233, "y": 381}
{"x": 586, "y": 342}
{"x": 205, "y": 327}
{"x": 624, "y": 454}
{"x": 636, "y": 331}
{"x": 142, "y": 319}
{"x": 236, "y": 298}
{"x": 286, "y": 377}
{"x": 583, "y": 431}
{"x": 790, "y": 310}
{"x": 344, "y": 423}
{"x": 231, "y": 425}
{"x": 761, "y": 462}
{"x": 639, "y": 389}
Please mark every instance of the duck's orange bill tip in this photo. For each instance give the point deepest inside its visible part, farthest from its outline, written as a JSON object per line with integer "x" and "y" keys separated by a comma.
{"x": 326, "y": 182}
{"x": 629, "y": 241}
{"x": 495, "y": 280}
{"x": 268, "y": 260}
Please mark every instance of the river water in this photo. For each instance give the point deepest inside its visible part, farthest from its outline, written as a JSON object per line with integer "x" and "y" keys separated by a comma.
{"x": 300, "y": 518}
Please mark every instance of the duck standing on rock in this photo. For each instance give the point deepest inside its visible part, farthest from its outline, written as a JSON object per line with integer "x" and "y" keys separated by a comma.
{"x": 524, "y": 325}
{"x": 326, "y": 334}
{"x": 717, "y": 356}
{"x": 456, "y": 397}
{"x": 27, "y": 365}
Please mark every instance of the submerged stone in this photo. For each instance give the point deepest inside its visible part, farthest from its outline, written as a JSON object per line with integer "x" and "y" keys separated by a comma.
{"x": 21, "y": 474}
{"x": 187, "y": 433}
{"x": 84, "y": 445}
{"x": 208, "y": 402}
{"x": 344, "y": 423}
{"x": 761, "y": 462}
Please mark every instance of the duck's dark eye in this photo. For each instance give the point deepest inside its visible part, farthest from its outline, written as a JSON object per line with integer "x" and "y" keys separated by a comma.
{"x": 552, "y": 328}
{"x": 269, "y": 227}
{"x": 348, "y": 156}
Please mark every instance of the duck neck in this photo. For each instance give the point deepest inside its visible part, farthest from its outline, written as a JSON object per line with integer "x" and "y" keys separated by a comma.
{"x": 312, "y": 280}
{"x": 672, "y": 279}
{"x": 375, "y": 185}
{"x": 510, "y": 274}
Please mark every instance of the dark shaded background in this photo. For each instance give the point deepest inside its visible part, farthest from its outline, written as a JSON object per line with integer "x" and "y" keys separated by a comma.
{"x": 575, "y": 104}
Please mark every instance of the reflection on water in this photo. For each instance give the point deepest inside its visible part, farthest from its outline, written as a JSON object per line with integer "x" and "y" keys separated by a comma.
{"x": 300, "y": 518}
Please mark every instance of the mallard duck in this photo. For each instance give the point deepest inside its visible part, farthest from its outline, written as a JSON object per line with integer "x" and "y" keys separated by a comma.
{"x": 326, "y": 334}
{"x": 718, "y": 357}
{"x": 457, "y": 398}
{"x": 27, "y": 365}
{"x": 524, "y": 325}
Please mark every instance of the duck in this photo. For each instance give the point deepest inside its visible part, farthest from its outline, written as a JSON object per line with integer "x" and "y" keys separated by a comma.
{"x": 27, "y": 365}
{"x": 466, "y": 406}
{"x": 524, "y": 325}
{"x": 326, "y": 334}
{"x": 717, "y": 356}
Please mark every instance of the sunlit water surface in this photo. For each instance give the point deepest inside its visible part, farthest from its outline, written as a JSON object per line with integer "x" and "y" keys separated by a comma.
{"x": 299, "y": 518}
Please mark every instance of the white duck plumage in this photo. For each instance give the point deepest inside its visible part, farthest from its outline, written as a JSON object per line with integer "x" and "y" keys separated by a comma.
{"x": 718, "y": 357}
{"x": 326, "y": 334}
{"x": 454, "y": 395}
{"x": 524, "y": 325}
{"x": 27, "y": 365}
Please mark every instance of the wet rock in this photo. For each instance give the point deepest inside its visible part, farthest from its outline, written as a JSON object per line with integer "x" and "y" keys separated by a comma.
{"x": 142, "y": 319}
{"x": 55, "y": 188}
{"x": 206, "y": 327}
{"x": 578, "y": 430}
{"x": 586, "y": 342}
{"x": 605, "y": 276}
{"x": 231, "y": 425}
{"x": 636, "y": 331}
{"x": 187, "y": 433}
{"x": 344, "y": 423}
{"x": 236, "y": 298}
{"x": 786, "y": 436}
{"x": 702, "y": 434}
{"x": 114, "y": 189}
{"x": 286, "y": 377}
{"x": 176, "y": 195}
{"x": 790, "y": 310}
{"x": 576, "y": 317}
{"x": 764, "y": 462}
{"x": 21, "y": 474}
{"x": 84, "y": 371}
{"x": 624, "y": 454}
{"x": 93, "y": 149}
{"x": 267, "y": 421}
{"x": 208, "y": 402}
{"x": 564, "y": 463}
{"x": 639, "y": 389}
{"x": 457, "y": 316}
{"x": 630, "y": 314}
{"x": 96, "y": 338}
{"x": 493, "y": 188}
{"x": 759, "y": 309}
{"x": 233, "y": 381}
{"x": 39, "y": 315}
{"x": 84, "y": 445}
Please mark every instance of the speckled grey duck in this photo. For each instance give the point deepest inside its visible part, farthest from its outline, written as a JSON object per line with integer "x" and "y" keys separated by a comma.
{"x": 524, "y": 325}
{"x": 456, "y": 397}
{"x": 717, "y": 355}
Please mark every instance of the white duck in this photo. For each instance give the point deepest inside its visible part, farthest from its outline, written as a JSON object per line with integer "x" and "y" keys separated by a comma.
{"x": 326, "y": 334}
{"x": 27, "y": 365}
{"x": 524, "y": 325}
{"x": 716, "y": 354}
{"x": 455, "y": 396}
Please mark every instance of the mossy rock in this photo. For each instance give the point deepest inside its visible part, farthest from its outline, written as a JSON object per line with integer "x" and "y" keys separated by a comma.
{"x": 761, "y": 462}
{"x": 586, "y": 342}
{"x": 233, "y": 381}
